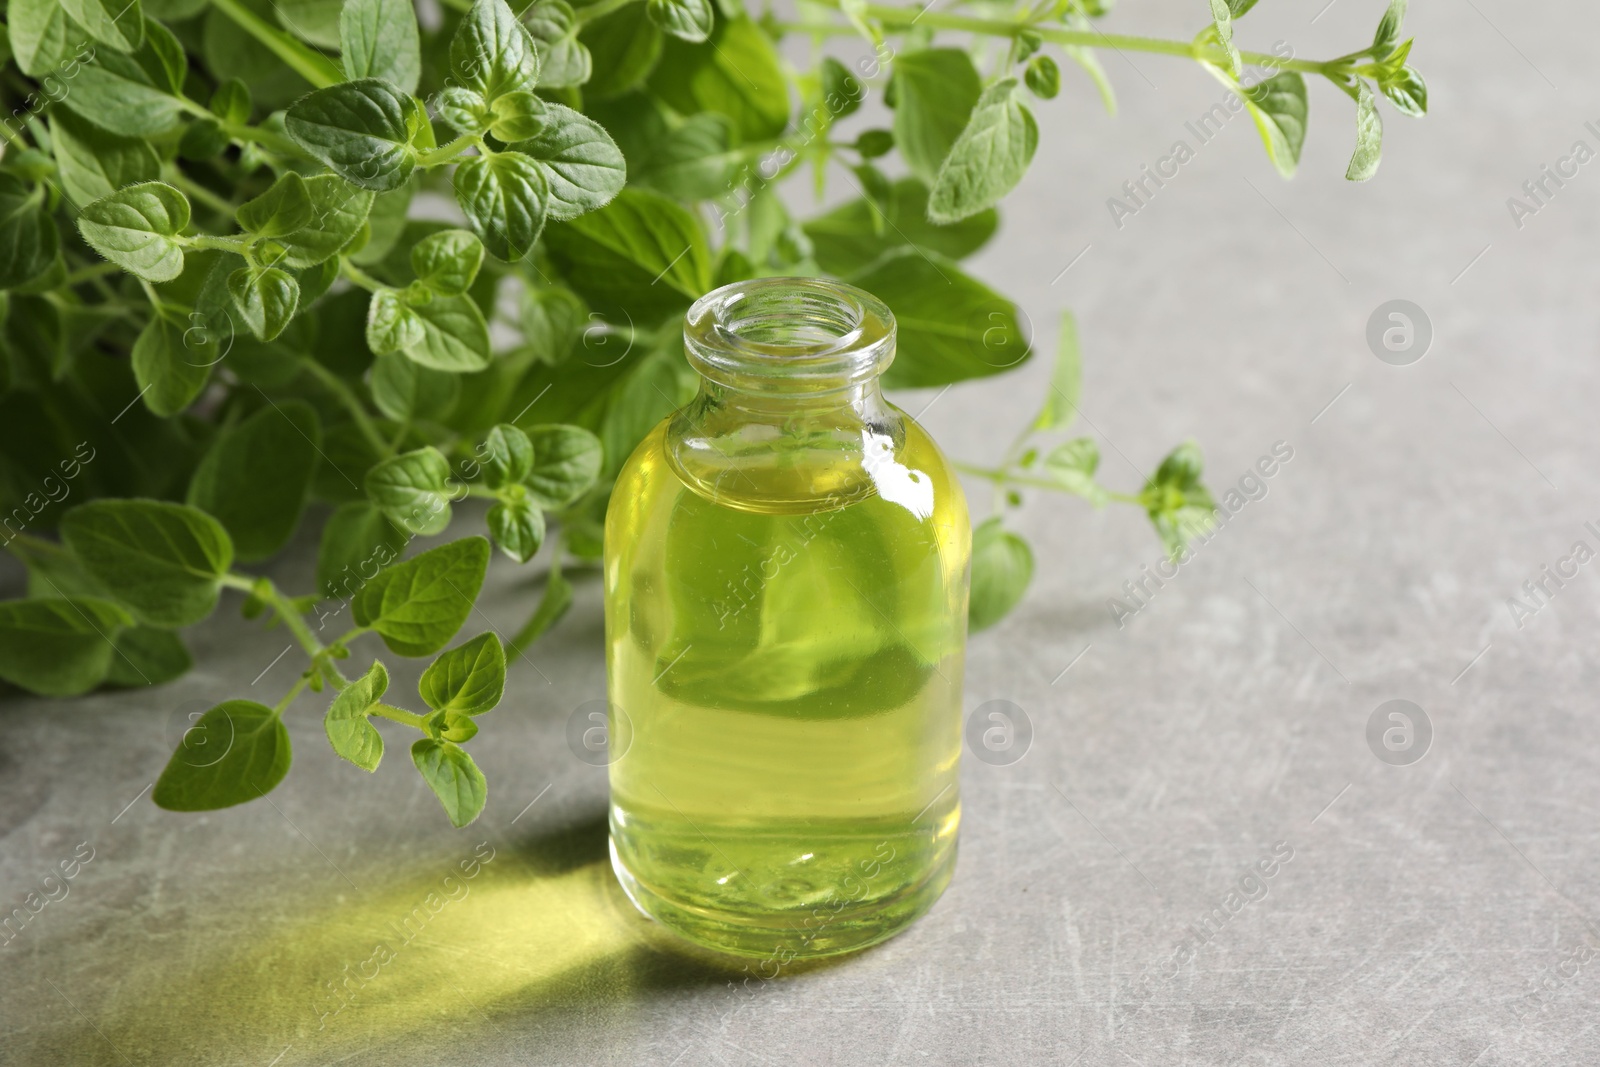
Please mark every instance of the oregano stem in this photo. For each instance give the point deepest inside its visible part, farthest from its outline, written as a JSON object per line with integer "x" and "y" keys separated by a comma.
{"x": 305, "y": 61}
{"x": 445, "y": 153}
{"x": 400, "y": 715}
{"x": 594, "y": 11}
{"x": 904, "y": 18}
{"x": 195, "y": 191}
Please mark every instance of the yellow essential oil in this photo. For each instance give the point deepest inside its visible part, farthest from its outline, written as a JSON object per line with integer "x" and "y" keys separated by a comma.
{"x": 786, "y": 566}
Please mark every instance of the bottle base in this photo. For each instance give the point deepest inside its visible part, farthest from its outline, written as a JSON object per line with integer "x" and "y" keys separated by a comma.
{"x": 782, "y": 936}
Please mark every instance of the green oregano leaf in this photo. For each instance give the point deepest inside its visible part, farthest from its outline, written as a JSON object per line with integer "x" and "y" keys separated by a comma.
{"x": 1002, "y": 567}
{"x": 256, "y": 479}
{"x": 282, "y": 209}
{"x": 583, "y": 167}
{"x": 505, "y": 198}
{"x": 266, "y": 299}
{"x": 164, "y": 561}
{"x": 363, "y": 130}
{"x": 379, "y": 39}
{"x": 1369, "y": 136}
{"x": 688, "y": 20}
{"x": 468, "y": 679}
{"x": 350, "y": 733}
{"x": 492, "y": 53}
{"x": 236, "y": 752}
{"x": 138, "y": 228}
{"x": 447, "y": 261}
{"x": 417, "y": 606}
{"x": 413, "y": 489}
{"x": 507, "y": 456}
{"x": 117, "y": 23}
{"x": 453, "y": 777}
{"x": 59, "y": 647}
{"x": 517, "y": 526}
{"x": 989, "y": 157}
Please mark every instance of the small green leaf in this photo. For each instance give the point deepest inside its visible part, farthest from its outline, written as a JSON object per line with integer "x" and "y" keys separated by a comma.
{"x": 413, "y": 489}
{"x": 464, "y": 110}
{"x": 1043, "y": 77}
{"x": 239, "y": 750}
{"x": 447, "y": 261}
{"x": 169, "y": 374}
{"x": 138, "y": 228}
{"x": 696, "y": 160}
{"x": 845, "y": 241}
{"x": 256, "y": 478}
{"x": 147, "y": 656}
{"x": 842, "y": 92}
{"x": 1278, "y": 106}
{"x": 950, "y": 326}
{"x": 1066, "y": 380}
{"x": 583, "y": 167}
{"x": 417, "y": 606}
{"x": 452, "y": 776}
{"x": 516, "y": 116}
{"x": 517, "y": 526}
{"x": 232, "y": 101}
{"x": 505, "y": 198}
{"x": 935, "y": 91}
{"x": 1072, "y": 466}
{"x": 1179, "y": 504}
{"x": 28, "y": 238}
{"x": 1389, "y": 25}
{"x": 563, "y": 60}
{"x": 1369, "y": 135}
{"x": 266, "y": 299}
{"x": 283, "y": 208}
{"x": 735, "y": 72}
{"x": 455, "y": 336}
{"x": 379, "y": 39}
{"x": 492, "y": 53}
{"x": 357, "y": 542}
{"x": 337, "y": 211}
{"x": 116, "y": 93}
{"x": 117, "y": 23}
{"x": 625, "y": 48}
{"x": 641, "y": 256}
{"x": 164, "y": 561}
{"x": 1002, "y": 567}
{"x": 988, "y": 159}
{"x": 1407, "y": 92}
{"x": 58, "y": 647}
{"x": 363, "y": 130}
{"x": 1222, "y": 24}
{"x": 391, "y": 324}
{"x": 566, "y": 464}
{"x": 43, "y": 37}
{"x": 94, "y": 163}
{"x": 349, "y": 732}
{"x": 468, "y": 680}
{"x": 507, "y": 456}
{"x": 688, "y": 20}
{"x": 404, "y": 389}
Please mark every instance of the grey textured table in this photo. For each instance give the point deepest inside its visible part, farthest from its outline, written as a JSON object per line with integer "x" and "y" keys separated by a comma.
{"x": 1430, "y": 914}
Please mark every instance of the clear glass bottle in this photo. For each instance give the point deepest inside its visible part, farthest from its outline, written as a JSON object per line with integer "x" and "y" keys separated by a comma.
{"x": 786, "y": 570}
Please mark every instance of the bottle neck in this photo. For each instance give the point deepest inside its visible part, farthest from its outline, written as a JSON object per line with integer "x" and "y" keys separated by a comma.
{"x": 790, "y": 410}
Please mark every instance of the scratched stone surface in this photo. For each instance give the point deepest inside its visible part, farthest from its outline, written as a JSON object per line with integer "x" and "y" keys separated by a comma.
{"x": 1112, "y": 904}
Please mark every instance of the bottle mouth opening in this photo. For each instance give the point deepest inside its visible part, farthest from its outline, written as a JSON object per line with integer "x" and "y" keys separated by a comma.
{"x": 789, "y": 335}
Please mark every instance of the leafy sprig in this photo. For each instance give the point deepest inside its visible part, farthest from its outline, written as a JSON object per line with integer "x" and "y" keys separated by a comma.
{"x": 224, "y": 275}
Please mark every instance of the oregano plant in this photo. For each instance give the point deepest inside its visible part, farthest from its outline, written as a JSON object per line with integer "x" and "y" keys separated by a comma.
{"x": 264, "y": 265}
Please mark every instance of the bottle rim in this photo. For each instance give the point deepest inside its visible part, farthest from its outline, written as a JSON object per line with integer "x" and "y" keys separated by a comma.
{"x": 789, "y": 334}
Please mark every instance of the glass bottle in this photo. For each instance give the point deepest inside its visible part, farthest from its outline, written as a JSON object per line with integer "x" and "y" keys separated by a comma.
{"x": 786, "y": 570}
